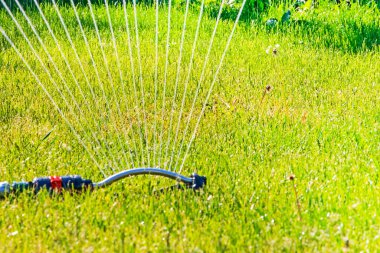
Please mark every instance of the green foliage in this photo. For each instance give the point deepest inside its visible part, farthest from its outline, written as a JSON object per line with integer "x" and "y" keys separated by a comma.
{"x": 351, "y": 29}
{"x": 256, "y": 9}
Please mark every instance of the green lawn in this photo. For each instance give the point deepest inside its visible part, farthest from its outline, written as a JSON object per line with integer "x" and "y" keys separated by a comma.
{"x": 319, "y": 122}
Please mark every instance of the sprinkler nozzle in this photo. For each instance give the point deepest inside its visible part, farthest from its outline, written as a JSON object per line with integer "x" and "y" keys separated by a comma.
{"x": 198, "y": 181}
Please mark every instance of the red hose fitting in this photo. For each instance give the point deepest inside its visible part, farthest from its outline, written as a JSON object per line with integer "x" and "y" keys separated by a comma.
{"x": 56, "y": 183}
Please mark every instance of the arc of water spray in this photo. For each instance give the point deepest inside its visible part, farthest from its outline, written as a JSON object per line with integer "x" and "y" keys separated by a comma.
{"x": 201, "y": 78}
{"x": 41, "y": 62}
{"x": 119, "y": 68}
{"x": 134, "y": 82}
{"x": 141, "y": 80}
{"x": 72, "y": 74}
{"x": 165, "y": 81}
{"x": 212, "y": 84}
{"x": 177, "y": 77}
{"x": 52, "y": 100}
{"x": 107, "y": 68}
{"x": 187, "y": 81}
{"x": 109, "y": 110}
{"x": 133, "y": 76}
{"x": 96, "y": 70}
{"x": 155, "y": 87}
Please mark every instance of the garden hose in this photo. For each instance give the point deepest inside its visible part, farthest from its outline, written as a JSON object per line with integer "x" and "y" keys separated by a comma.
{"x": 77, "y": 183}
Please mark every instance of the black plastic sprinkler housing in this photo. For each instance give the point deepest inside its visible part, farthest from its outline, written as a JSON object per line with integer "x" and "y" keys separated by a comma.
{"x": 77, "y": 183}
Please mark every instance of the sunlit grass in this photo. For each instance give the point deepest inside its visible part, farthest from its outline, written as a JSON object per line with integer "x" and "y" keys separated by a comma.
{"x": 319, "y": 121}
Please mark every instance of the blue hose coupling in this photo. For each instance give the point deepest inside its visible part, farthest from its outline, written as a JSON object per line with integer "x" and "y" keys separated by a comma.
{"x": 5, "y": 189}
{"x": 198, "y": 181}
{"x": 55, "y": 183}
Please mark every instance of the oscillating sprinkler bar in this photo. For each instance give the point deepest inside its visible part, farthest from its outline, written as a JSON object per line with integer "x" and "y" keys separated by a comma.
{"x": 77, "y": 183}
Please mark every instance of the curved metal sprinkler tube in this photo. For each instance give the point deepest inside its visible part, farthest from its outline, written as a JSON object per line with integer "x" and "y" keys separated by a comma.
{"x": 144, "y": 171}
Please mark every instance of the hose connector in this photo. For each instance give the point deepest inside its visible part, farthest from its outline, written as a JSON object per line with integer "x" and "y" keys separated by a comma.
{"x": 198, "y": 181}
{"x": 57, "y": 184}
{"x": 5, "y": 189}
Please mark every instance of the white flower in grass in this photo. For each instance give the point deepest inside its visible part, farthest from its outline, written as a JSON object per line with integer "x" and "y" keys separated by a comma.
{"x": 272, "y": 49}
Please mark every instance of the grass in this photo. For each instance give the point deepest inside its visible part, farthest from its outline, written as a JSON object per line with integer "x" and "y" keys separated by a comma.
{"x": 319, "y": 123}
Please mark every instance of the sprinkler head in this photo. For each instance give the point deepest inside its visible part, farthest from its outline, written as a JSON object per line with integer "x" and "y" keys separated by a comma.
{"x": 198, "y": 181}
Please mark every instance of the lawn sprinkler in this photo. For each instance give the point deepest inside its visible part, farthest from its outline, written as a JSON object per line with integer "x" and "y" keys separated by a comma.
{"x": 77, "y": 183}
